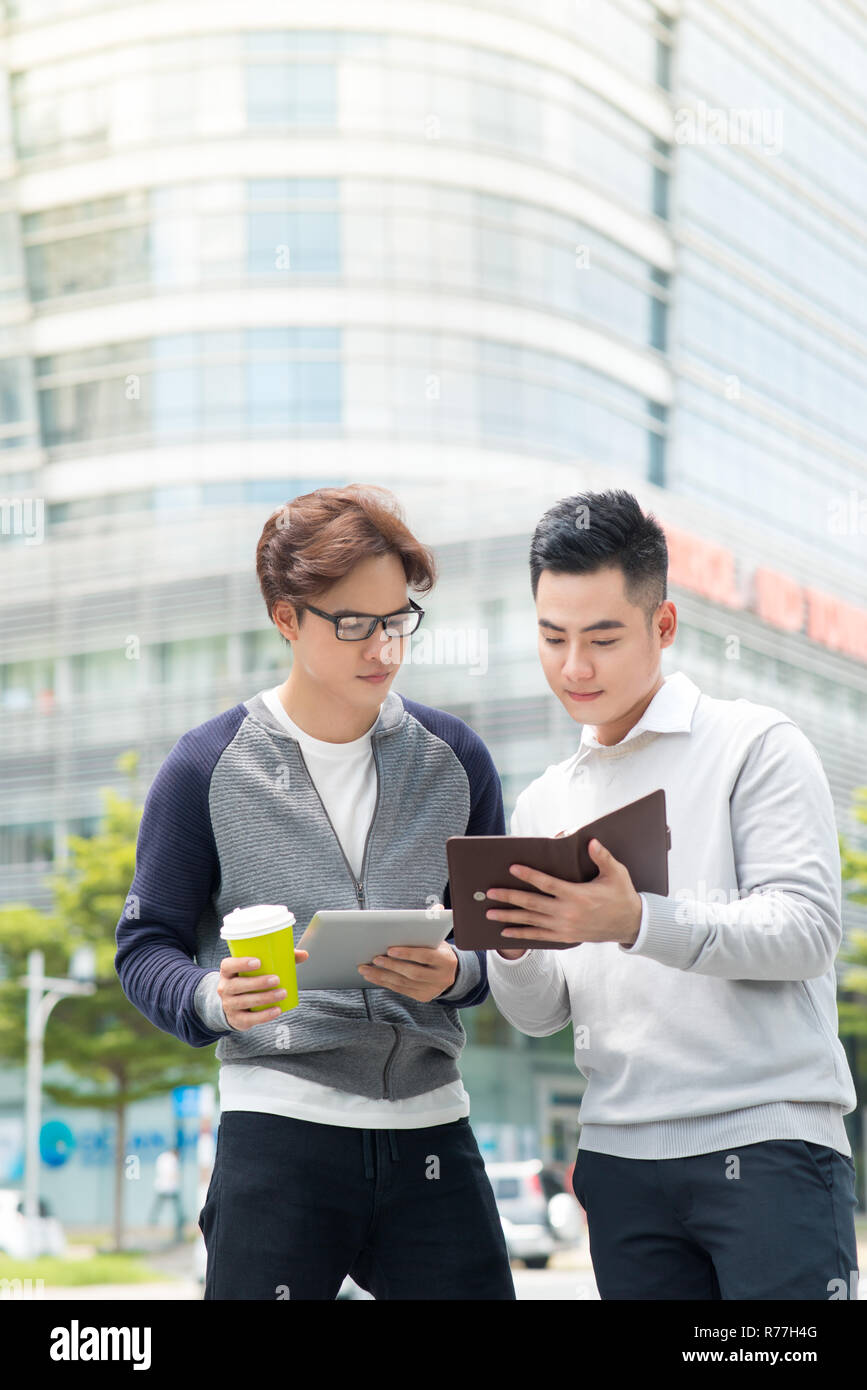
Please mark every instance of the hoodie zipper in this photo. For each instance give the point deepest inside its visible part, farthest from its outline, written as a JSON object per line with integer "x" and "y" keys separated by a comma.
{"x": 359, "y": 886}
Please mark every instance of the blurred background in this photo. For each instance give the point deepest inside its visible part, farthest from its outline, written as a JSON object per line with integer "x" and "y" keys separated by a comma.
{"x": 487, "y": 255}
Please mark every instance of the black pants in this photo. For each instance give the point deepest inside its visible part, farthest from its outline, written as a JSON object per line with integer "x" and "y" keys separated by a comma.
{"x": 294, "y": 1206}
{"x": 761, "y": 1221}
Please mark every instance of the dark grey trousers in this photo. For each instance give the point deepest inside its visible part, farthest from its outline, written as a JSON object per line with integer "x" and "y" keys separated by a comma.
{"x": 773, "y": 1220}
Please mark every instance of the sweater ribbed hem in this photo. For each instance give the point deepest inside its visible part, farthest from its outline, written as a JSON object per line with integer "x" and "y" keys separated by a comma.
{"x": 818, "y": 1123}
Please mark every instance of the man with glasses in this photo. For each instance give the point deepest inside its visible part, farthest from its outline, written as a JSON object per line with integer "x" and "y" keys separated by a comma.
{"x": 344, "y": 1143}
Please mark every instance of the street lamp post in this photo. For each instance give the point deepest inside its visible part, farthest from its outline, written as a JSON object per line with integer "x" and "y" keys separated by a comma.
{"x": 43, "y": 992}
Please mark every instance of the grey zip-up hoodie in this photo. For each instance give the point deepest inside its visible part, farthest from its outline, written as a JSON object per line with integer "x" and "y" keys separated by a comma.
{"x": 233, "y": 818}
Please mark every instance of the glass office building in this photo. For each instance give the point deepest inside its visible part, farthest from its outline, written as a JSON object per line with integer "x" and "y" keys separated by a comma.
{"x": 488, "y": 255}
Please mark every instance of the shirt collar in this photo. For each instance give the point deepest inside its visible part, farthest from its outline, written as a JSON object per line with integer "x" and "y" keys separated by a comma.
{"x": 669, "y": 712}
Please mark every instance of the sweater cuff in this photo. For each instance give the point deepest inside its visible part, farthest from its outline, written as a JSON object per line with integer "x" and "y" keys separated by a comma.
{"x": 209, "y": 1005}
{"x": 468, "y": 976}
{"x": 661, "y": 937}
{"x": 635, "y": 947}
{"x": 525, "y": 970}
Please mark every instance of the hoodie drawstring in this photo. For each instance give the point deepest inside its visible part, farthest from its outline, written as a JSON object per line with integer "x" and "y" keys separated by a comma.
{"x": 367, "y": 1143}
{"x": 367, "y": 1149}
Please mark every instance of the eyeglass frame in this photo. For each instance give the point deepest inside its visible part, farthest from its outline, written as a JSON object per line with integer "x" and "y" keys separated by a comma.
{"x": 375, "y": 619}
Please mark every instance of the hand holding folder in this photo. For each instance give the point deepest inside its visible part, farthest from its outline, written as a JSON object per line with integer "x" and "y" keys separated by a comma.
{"x": 636, "y": 835}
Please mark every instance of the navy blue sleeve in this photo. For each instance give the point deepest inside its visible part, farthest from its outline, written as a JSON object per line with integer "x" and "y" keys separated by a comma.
{"x": 486, "y": 816}
{"x": 177, "y": 871}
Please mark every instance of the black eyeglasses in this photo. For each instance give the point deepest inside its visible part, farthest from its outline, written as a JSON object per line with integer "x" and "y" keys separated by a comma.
{"x": 356, "y": 627}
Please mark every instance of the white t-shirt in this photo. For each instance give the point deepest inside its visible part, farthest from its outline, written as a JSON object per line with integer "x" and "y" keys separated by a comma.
{"x": 344, "y": 775}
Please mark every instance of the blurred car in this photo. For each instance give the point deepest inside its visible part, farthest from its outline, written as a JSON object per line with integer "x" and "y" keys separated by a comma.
{"x": 48, "y": 1232}
{"x": 537, "y": 1215}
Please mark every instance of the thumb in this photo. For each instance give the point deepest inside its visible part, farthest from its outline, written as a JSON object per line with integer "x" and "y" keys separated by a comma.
{"x": 600, "y": 855}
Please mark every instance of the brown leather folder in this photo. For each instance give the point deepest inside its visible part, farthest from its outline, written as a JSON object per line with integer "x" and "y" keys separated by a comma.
{"x": 636, "y": 834}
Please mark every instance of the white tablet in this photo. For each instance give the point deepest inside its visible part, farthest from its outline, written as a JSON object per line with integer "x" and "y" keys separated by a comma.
{"x": 339, "y": 942}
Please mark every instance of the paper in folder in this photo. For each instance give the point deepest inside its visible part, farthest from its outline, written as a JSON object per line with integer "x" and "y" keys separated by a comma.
{"x": 636, "y": 834}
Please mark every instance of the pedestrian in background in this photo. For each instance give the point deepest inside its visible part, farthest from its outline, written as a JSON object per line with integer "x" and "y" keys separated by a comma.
{"x": 167, "y": 1187}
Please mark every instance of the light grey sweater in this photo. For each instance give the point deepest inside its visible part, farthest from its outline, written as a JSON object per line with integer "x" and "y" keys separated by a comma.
{"x": 233, "y": 818}
{"x": 718, "y": 1027}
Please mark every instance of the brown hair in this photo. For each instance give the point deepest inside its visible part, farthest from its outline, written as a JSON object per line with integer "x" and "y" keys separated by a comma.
{"x": 314, "y": 540}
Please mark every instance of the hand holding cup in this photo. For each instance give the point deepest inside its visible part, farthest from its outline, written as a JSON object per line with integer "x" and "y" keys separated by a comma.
{"x": 241, "y": 993}
{"x": 260, "y": 940}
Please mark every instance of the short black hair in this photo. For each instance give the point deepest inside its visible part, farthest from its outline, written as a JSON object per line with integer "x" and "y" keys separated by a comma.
{"x": 595, "y": 530}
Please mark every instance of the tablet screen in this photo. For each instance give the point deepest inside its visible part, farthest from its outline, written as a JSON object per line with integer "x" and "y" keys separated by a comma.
{"x": 338, "y": 942}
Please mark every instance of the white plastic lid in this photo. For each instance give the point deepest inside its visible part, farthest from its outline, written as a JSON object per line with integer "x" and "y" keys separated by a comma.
{"x": 256, "y": 921}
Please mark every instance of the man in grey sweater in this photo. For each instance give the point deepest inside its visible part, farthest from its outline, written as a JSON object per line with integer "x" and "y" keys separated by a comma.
{"x": 344, "y": 1144}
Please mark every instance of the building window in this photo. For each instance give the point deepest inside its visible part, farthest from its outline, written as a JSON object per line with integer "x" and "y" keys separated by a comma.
{"x": 660, "y": 181}
{"x": 291, "y": 94}
{"x": 25, "y": 684}
{"x": 182, "y": 384}
{"x": 656, "y": 445}
{"x": 194, "y": 663}
{"x": 659, "y": 311}
{"x": 263, "y": 652}
{"x": 31, "y": 843}
{"x": 97, "y": 674}
{"x": 84, "y": 826}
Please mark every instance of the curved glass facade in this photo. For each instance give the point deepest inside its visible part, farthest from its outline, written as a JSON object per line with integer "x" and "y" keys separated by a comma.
{"x": 262, "y": 382}
{"x": 191, "y": 383}
{"x": 389, "y": 85}
{"x": 351, "y": 231}
{"x": 344, "y": 231}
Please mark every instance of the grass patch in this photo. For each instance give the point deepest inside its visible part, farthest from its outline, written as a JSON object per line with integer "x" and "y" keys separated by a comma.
{"x": 98, "y": 1269}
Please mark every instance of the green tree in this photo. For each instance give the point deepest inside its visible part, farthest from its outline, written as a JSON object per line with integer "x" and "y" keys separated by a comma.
{"x": 116, "y": 1055}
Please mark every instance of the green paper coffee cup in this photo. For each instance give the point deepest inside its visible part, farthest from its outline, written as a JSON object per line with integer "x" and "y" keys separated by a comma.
{"x": 264, "y": 932}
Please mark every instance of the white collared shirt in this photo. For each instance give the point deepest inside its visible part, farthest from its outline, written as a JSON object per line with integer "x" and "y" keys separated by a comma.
{"x": 718, "y": 1026}
{"x": 670, "y": 711}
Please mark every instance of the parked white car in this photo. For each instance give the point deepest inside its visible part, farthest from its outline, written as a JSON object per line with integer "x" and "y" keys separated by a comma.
{"x": 49, "y": 1238}
{"x": 537, "y": 1216}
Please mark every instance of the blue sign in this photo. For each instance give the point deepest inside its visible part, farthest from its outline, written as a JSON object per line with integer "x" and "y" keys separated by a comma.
{"x": 56, "y": 1143}
{"x": 186, "y": 1102}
